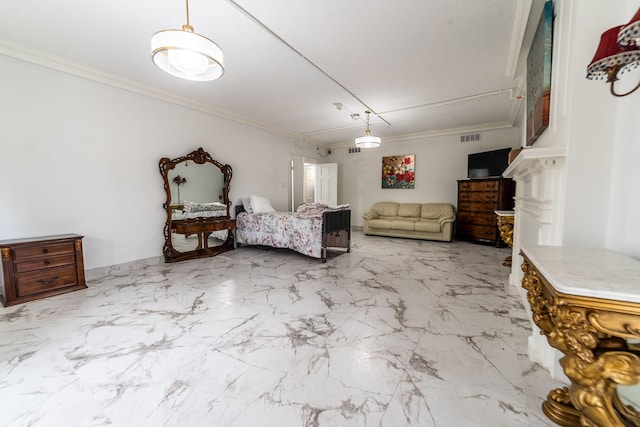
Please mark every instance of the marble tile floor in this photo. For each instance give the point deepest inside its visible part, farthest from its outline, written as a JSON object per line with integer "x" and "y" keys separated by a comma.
{"x": 395, "y": 333}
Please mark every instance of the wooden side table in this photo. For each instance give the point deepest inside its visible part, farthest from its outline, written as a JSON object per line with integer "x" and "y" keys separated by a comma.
{"x": 587, "y": 303}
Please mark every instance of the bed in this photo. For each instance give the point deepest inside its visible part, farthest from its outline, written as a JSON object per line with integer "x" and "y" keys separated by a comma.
{"x": 310, "y": 231}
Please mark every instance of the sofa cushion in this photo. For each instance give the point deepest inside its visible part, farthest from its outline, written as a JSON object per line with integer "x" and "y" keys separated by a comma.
{"x": 386, "y": 209}
{"x": 380, "y": 223}
{"x": 436, "y": 211}
{"x": 409, "y": 210}
{"x": 428, "y": 226}
{"x": 402, "y": 225}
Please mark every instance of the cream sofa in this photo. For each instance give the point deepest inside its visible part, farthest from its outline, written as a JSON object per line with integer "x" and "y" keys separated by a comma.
{"x": 430, "y": 221}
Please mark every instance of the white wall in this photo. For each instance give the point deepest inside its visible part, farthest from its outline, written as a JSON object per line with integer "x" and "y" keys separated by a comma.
{"x": 592, "y": 129}
{"x": 587, "y": 198}
{"x": 624, "y": 227}
{"x": 77, "y": 156}
{"x": 599, "y": 130}
{"x": 440, "y": 162}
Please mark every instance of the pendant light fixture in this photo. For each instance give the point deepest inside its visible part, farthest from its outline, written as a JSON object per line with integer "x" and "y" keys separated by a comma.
{"x": 368, "y": 140}
{"x": 186, "y": 54}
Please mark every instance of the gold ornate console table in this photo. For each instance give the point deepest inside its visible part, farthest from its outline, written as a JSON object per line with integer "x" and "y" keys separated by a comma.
{"x": 505, "y": 226}
{"x": 587, "y": 303}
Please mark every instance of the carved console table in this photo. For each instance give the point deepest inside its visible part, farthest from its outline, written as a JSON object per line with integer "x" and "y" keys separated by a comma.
{"x": 587, "y": 303}
{"x": 505, "y": 226}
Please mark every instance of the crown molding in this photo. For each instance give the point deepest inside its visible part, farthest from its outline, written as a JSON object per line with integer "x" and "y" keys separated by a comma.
{"x": 54, "y": 63}
{"x": 518, "y": 29}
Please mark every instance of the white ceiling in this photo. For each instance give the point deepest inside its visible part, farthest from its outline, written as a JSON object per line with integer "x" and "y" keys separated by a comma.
{"x": 423, "y": 67}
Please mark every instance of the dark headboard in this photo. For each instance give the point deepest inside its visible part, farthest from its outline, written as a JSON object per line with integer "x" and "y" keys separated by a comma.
{"x": 336, "y": 220}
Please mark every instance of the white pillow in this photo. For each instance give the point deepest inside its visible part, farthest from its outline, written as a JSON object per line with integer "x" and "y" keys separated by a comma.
{"x": 246, "y": 204}
{"x": 260, "y": 204}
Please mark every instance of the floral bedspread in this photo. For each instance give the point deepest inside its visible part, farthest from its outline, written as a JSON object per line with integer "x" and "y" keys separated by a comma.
{"x": 301, "y": 232}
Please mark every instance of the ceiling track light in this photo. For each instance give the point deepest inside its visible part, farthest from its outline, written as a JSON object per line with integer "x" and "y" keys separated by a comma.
{"x": 186, "y": 54}
{"x": 368, "y": 140}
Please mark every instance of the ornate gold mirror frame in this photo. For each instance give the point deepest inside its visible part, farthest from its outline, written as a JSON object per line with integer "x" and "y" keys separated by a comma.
{"x": 198, "y": 226}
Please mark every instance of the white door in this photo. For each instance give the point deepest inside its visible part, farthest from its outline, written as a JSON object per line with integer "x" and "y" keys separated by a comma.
{"x": 326, "y": 189}
{"x": 309, "y": 190}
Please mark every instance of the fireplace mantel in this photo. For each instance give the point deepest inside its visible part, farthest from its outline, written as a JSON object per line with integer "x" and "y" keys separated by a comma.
{"x": 539, "y": 174}
{"x": 529, "y": 160}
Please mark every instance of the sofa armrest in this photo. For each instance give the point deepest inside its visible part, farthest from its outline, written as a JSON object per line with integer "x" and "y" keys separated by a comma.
{"x": 446, "y": 220}
{"x": 448, "y": 216}
{"x": 370, "y": 215}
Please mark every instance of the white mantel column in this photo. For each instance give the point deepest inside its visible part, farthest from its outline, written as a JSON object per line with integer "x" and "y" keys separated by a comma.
{"x": 539, "y": 174}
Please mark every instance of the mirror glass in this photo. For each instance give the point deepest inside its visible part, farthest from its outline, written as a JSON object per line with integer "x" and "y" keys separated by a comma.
{"x": 196, "y": 183}
{"x": 197, "y": 188}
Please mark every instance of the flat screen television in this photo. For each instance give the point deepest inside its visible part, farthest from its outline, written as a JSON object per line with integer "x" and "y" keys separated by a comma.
{"x": 488, "y": 163}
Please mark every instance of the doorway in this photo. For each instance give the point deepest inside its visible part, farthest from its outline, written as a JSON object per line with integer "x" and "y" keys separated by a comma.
{"x": 313, "y": 182}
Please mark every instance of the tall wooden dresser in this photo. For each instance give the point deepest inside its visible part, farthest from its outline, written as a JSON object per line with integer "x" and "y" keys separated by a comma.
{"x": 478, "y": 199}
{"x": 39, "y": 267}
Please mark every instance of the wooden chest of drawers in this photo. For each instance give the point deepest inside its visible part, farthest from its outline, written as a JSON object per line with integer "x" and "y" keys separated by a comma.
{"x": 478, "y": 199}
{"x": 39, "y": 267}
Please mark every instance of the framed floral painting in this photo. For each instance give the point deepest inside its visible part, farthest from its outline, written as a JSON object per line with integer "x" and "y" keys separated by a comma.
{"x": 398, "y": 171}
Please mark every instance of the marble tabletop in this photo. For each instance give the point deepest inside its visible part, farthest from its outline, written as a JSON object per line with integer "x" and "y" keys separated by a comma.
{"x": 589, "y": 272}
{"x": 504, "y": 213}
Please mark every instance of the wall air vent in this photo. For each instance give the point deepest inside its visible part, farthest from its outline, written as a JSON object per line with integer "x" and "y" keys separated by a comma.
{"x": 470, "y": 137}
{"x": 354, "y": 150}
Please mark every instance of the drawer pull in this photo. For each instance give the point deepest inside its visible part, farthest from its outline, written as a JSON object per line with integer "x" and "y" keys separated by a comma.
{"x": 45, "y": 251}
{"x": 48, "y": 282}
{"x": 47, "y": 262}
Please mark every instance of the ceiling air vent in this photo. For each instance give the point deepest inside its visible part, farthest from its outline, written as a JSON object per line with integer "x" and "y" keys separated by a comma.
{"x": 354, "y": 150}
{"x": 470, "y": 137}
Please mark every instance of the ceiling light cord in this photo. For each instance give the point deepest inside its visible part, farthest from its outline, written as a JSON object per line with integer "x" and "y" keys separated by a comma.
{"x": 284, "y": 42}
{"x": 462, "y": 98}
{"x": 187, "y": 26}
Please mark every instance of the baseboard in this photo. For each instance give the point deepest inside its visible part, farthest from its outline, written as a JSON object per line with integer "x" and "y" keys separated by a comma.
{"x": 121, "y": 269}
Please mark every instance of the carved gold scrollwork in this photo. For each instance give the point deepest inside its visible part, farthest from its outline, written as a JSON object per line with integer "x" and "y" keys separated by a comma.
{"x": 6, "y": 254}
{"x": 617, "y": 324}
{"x": 559, "y": 409}
{"x": 78, "y": 245}
{"x": 627, "y": 412}
{"x": 593, "y": 388}
{"x": 505, "y": 226}
{"x": 579, "y": 336}
{"x": 532, "y": 283}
